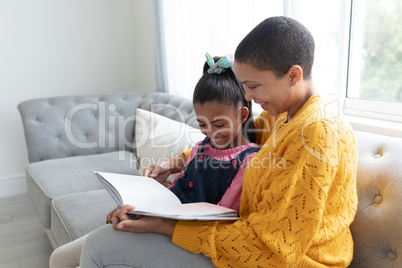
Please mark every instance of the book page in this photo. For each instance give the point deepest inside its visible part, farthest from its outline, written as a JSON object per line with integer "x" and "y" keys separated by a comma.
{"x": 189, "y": 211}
{"x": 138, "y": 191}
{"x": 150, "y": 198}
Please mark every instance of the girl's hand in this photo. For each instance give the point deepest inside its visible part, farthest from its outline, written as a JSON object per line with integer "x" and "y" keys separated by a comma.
{"x": 142, "y": 224}
{"x": 160, "y": 171}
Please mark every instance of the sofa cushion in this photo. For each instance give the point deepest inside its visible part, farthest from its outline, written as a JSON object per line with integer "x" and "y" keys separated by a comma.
{"x": 49, "y": 179}
{"x": 75, "y": 215}
{"x": 159, "y": 138}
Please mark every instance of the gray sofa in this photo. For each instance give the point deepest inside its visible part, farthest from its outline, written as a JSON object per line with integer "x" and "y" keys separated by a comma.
{"x": 67, "y": 196}
{"x": 69, "y": 137}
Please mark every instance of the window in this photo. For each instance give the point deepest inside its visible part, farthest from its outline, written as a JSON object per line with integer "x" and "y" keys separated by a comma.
{"x": 376, "y": 62}
{"x": 375, "y": 65}
{"x": 358, "y": 57}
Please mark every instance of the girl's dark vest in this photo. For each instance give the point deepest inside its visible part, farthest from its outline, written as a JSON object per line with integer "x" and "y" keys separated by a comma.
{"x": 206, "y": 179}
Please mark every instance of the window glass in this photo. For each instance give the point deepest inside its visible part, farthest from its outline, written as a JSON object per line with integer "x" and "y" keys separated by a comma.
{"x": 376, "y": 51}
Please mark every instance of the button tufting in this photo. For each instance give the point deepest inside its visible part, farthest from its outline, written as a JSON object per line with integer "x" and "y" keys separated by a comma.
{"x": 112, "y": 107}
{"x": 378, "y": 199}
{"x": 392, "y": 255}
{"x": 376, "y": 156}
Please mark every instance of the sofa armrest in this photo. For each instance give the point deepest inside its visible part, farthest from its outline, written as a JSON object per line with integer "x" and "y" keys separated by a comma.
{"x": 91, "y": 124}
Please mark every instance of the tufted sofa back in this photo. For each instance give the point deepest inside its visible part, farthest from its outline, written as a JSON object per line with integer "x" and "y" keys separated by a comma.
{"x": 377, "y": 229}
{"x": 92, "y": 124}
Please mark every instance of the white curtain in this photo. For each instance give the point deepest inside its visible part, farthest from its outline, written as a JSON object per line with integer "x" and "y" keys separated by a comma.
{"x": 188, "y": 28}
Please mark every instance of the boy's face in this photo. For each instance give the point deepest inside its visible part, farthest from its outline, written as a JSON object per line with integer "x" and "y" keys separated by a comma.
{"x": 272, "y": 93}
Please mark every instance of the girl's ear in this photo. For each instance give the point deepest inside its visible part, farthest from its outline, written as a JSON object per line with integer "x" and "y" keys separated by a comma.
{"x": 244, "y": 114}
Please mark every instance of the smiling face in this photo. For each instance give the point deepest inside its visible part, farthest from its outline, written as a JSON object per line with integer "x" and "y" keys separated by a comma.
{"x": 221, "y": 123}
{"x": 265, "y": 88}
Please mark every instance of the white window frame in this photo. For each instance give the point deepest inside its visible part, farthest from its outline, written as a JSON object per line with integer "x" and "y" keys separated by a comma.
{"x": 364, "y": 115}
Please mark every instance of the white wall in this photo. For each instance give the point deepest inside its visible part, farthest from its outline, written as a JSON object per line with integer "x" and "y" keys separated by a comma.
{"x": 67, "y": 47}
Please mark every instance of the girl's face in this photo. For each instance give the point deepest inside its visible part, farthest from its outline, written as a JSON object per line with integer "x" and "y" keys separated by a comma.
{"x": 272, "y": 93}
{"x": 221, "y": 123}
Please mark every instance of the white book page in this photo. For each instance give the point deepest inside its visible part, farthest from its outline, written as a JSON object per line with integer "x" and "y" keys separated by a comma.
{"x": 189, "y": 210}
{"x": 138, "y": 191}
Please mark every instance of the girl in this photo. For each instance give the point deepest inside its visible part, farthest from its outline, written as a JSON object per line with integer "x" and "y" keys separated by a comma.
{"x": 224, "y": 116}
{"x": 213, "y": 170}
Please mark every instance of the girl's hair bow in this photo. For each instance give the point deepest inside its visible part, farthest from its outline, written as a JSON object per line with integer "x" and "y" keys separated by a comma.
{"x": 220, "y": 66}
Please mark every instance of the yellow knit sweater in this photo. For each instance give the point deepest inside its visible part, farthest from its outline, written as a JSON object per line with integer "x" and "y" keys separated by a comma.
{"x": 298, "y": 201}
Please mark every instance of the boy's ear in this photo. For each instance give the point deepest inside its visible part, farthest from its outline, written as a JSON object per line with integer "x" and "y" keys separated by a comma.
{"x": 244, "y": 114}
{"x": 296, "y": 74}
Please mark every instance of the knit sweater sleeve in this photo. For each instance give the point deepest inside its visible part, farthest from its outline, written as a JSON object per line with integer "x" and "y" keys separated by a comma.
{"x": 294, "y": 209}
{"x": 187, "y": 153}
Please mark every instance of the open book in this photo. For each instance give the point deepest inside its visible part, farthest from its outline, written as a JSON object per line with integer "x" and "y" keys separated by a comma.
{"x": 150, "y": 198}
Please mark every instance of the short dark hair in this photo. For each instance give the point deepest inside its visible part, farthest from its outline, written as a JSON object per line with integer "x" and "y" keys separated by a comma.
{"x": 226, "y": 89}
{"x": 276, "y": 44}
